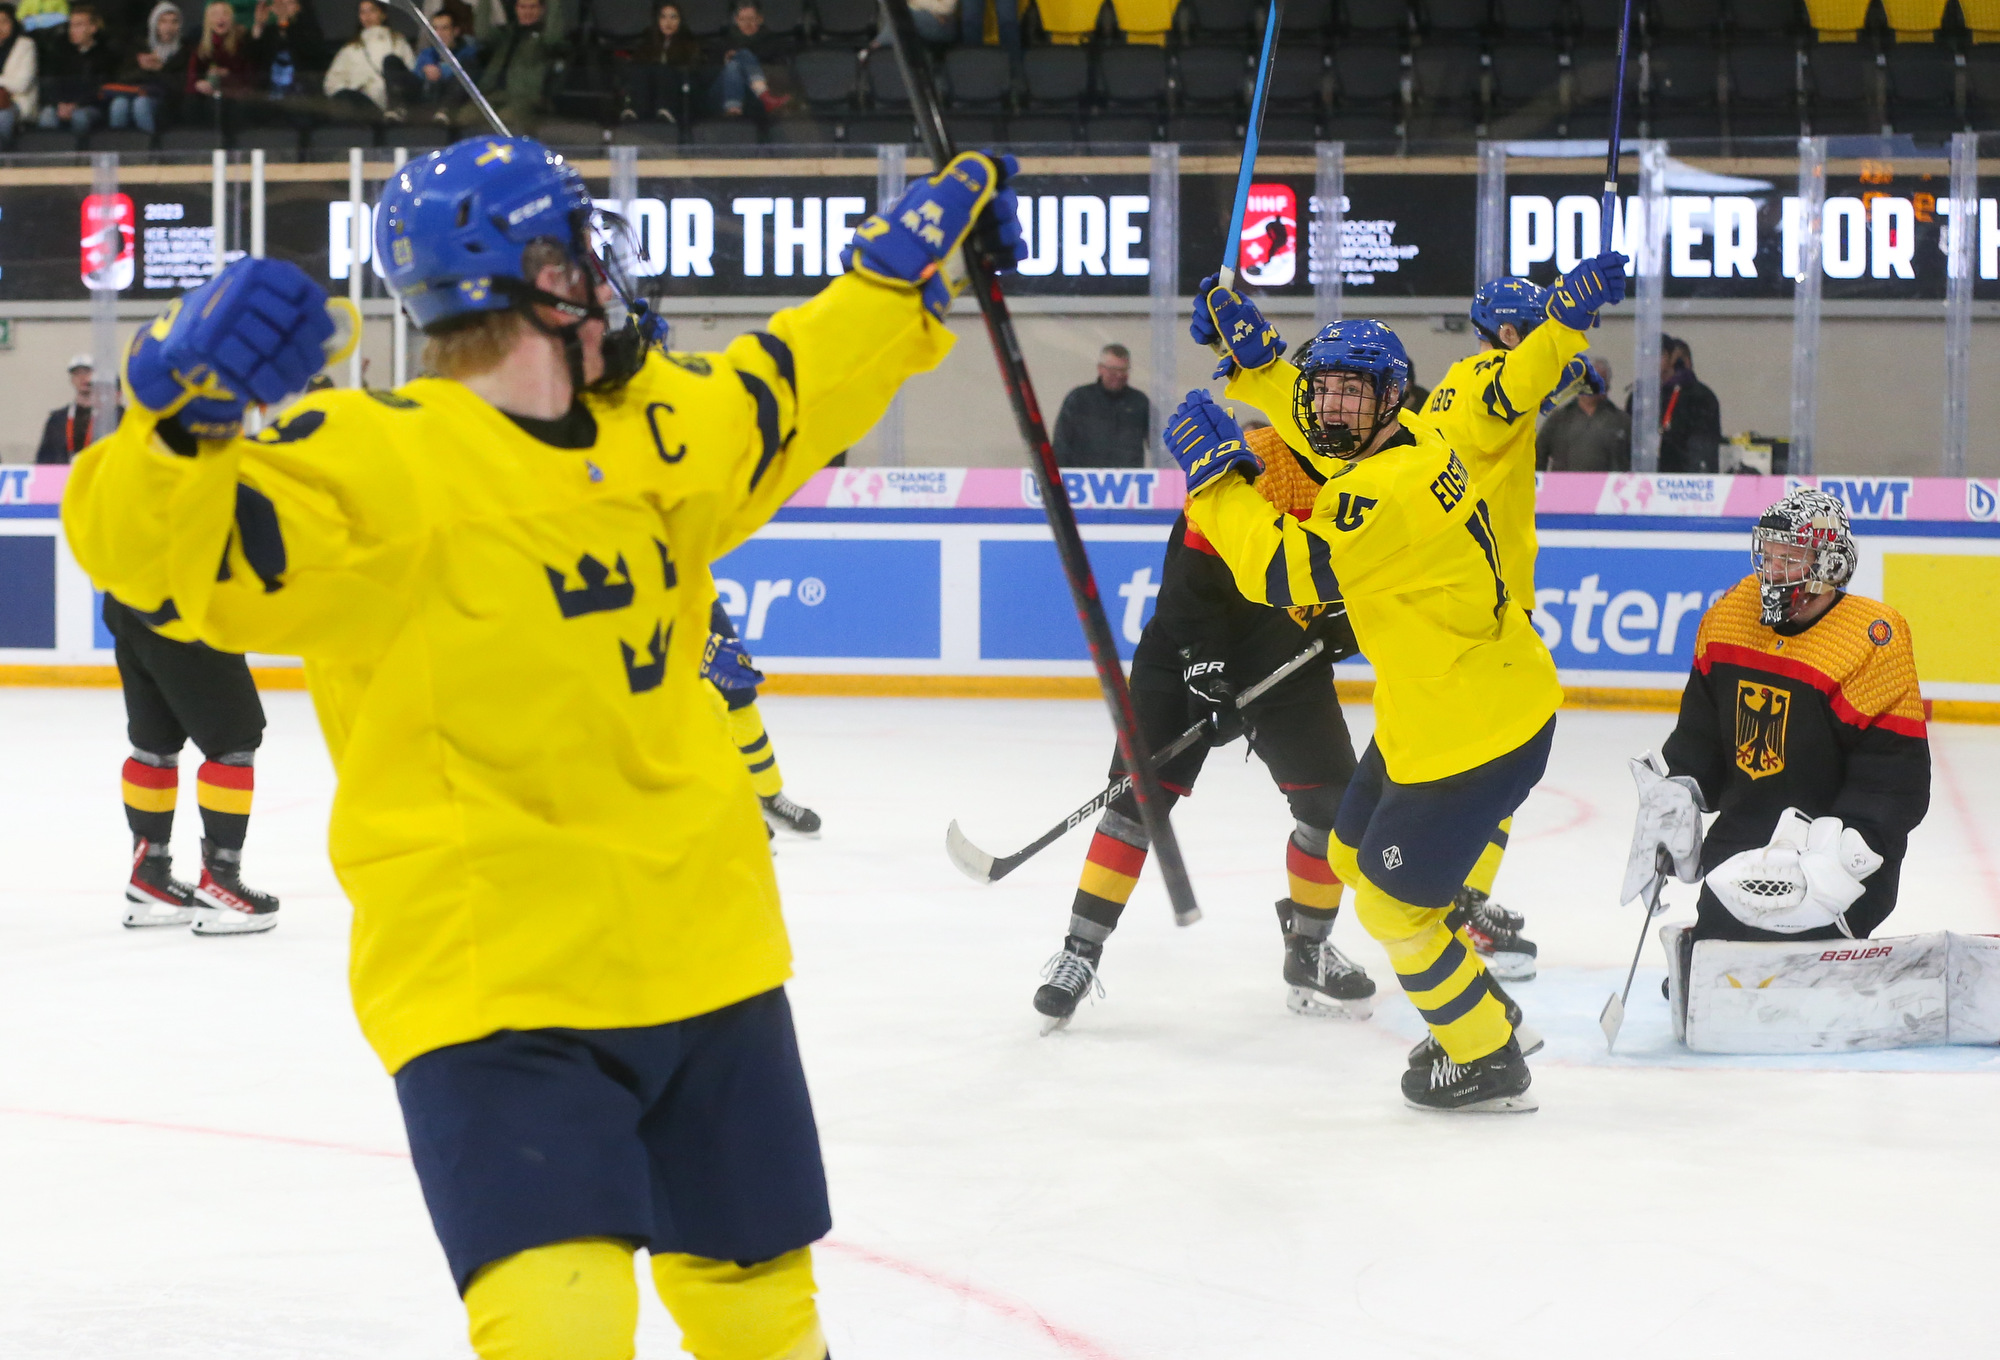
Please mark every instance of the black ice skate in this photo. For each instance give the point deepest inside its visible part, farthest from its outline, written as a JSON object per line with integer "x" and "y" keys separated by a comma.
{"x": 153, "y": 896}
{"x": 1429, "y": 1050}
{"x": 1496, "y": 935}
{"x": 223, "y": 904}
{"x": 1069, "y": 976}
{"x": 1495, "y": 1084}
{"x": 782, "y": 814}
{"x": 1323, "y": 981}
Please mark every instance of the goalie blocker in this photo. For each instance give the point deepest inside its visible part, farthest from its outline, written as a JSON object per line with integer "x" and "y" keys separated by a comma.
{"x": 1905, "y": 991}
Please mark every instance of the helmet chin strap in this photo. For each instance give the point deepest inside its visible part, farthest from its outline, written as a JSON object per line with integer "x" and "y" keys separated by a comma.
{"x": 621, "y": 351}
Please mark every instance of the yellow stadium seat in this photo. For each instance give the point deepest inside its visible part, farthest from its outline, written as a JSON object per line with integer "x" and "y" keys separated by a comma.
{"x": 1070, "y": 22}
{"x": 1914, "y": 20}
{"x": 1983, "y": 18}
{"x": 1838, "y": 20}
{"x": 1145, "y": 21}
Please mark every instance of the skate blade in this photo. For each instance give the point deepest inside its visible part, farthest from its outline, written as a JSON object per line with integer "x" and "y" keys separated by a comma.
{"x": 224, "y": 921}
{"x": 141, "y": 920}
{"x": 1052, "y": 1024}
{"x": 1525, "y": 1103}
{"x": 1529, "y": 1038}
{"x": 1510, "y": 967}
{"x": 1305, "y": 1001}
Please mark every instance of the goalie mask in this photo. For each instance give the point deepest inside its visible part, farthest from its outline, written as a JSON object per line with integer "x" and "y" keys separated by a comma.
{"x": 1800, "y": 548}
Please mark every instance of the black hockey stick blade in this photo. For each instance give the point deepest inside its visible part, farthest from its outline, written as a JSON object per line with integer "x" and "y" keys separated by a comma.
{"x": 981, "y": 867}
{"x": 985, "y": 284}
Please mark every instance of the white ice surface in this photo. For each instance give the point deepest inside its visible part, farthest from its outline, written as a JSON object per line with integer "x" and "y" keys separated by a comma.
{"x": 200, "y": 1158}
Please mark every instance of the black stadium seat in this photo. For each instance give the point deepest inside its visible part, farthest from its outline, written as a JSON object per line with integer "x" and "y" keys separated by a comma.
{"x": 1056, "y": 77}
{"x": 978, "y": 77}
{"x": 1212, "y": 77}
{"x": 1923, "y": 87}
{"x": 1763, "y": 89}
{"x": 826, "y": 77}
{"x": 1842, "y": 81}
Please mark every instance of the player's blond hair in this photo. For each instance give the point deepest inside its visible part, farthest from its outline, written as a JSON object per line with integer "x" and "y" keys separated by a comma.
{"x": 477, "y": 345}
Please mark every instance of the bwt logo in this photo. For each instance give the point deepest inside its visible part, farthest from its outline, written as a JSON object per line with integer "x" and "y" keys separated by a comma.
{"x": 1098, "y": 490}
{"x": 1633, "y": 622}
{"x": 14, "y": 485}
{"x": 762, "y": 595}
{"x": 1867, "y": 497}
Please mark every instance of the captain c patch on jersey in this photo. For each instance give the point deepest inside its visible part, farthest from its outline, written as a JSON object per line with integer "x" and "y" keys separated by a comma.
{"x": 1761, "y": 712}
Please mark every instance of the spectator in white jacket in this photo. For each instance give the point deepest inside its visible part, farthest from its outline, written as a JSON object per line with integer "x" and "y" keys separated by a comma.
{"x": 19, "y": 72}
{"x": 354, "y": 80}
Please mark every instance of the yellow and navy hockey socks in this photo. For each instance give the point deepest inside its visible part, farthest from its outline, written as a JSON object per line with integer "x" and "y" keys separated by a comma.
{"x": 151, "y": 785}
{"x": 746, "y": 729}
{"x": 224, "y": 788}
{"x": 1480, "y": 880}
{"x": 727, "y": 1310}
{"x": 567, "y": 1301}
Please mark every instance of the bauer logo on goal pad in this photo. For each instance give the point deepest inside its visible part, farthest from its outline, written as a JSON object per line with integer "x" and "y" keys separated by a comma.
{"x": 1269, "y": 254}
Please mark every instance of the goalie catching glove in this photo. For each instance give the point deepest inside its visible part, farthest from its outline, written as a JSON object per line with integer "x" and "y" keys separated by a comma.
{"x": 1668, "y": 831}
{"x": 1805, "y": 879}
{"x": 916, "y": 243}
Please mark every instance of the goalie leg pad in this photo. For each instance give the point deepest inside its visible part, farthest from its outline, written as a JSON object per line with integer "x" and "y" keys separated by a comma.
{"x": 1826, "y": 996}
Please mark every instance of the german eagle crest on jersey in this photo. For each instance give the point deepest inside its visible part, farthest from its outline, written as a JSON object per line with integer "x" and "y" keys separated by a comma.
{"x": 1761, "y": 711}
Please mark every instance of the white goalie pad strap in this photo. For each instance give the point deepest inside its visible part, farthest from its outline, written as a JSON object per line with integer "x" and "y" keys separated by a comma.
{"x": 1825, "y": 996}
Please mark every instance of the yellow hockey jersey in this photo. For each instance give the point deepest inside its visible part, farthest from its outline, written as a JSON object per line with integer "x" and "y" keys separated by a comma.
{"x": 1405, "y": 539}
{"x": 541, "y": 819}
{"x": 1485, "y": 406}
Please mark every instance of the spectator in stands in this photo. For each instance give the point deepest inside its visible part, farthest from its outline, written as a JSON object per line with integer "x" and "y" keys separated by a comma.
{"x": 221, "y": 69}
{"x": 38, "y": 16}
{"x": 74, "y": 73}
{"x": 737, "y": 63}
{"x": 1589, "y": 434}
{"x": 1690, "y": 416}
{"x": 658, "y": 83}
{"x": 430, "y": 83}
{"x": 286, "y": 43}
{"x": 354, "y": 79}
{"x": 936, "y": 21}
{"x": 152, "y": 74}
{"x": 20, "y": 72}
{"x": 520, "y": 64}
{"x": 1007, "y": 19}
{"x": 1107, "y": 423}
{"x": 68, "y": 429}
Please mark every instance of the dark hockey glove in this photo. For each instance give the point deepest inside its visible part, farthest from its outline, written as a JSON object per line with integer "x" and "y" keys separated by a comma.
{"x": 1331, "y": 626}
{"x": 1207, "y": 680}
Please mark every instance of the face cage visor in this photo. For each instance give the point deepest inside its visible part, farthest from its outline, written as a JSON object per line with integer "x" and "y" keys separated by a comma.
{"x": 1335, "y": 440}
{"x": 1786, "y": 581}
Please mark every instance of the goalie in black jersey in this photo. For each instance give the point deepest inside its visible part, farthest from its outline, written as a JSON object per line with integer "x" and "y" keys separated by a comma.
{"x": 1802, "y": 729}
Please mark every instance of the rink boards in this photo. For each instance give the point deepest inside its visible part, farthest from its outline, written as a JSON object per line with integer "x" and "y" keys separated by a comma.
{"x": 951, "y": 572}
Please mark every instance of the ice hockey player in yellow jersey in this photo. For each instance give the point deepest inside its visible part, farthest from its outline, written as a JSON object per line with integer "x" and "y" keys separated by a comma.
{"x": 567, "y": 945}
{"x": 1466, "y": 692}
{"x": 1485, "y": 406}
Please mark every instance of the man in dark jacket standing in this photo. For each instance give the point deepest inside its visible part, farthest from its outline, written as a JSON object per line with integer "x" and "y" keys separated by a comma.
{"x": 68, "y": 430}
{"x": 1690, "y": 416}
{"x": 1107, "y": 423}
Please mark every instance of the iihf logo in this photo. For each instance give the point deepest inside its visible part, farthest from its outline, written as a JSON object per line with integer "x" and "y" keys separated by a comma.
{"x": 1392, "y": 858}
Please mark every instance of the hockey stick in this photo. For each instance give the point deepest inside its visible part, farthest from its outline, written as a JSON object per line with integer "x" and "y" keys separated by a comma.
{"x": 1609, "y": 210}
{"x": 1232, "y": 244}
{"x": 981, "y": 867}
{"x": 465, "y": 81}
{"x": 985, "y": 283}
{"x": 1612, "y": 1018}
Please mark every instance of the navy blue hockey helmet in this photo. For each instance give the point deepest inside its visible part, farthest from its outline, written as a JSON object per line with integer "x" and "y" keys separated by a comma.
{"x": 1514, "y": 302}
{"x": 1367, "y": 348}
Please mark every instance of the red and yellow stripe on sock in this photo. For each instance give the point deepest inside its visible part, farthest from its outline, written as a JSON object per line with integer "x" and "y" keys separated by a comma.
{"x": 1111, "y": 870}
{"x": 224, "y": 792}
{"x": 1313, "y": 882}
{"x": 150, "y": 793}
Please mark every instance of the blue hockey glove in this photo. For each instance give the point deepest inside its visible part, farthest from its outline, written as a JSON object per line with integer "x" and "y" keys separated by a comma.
{"x": 726, "y": 665}
{"x": 1598, "y": 282}
{"x": 914, "y": 242}
{"x": 1227, "y": 318}
{"x": 254, "y": 332}
{"x": 1578, "y": 375}
{"x": 1206, "y": 441}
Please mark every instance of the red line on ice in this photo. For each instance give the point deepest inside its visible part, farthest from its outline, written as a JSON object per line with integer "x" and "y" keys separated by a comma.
{"x": 1069, "y": 1342}
{"x": 1580, "y": 812}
